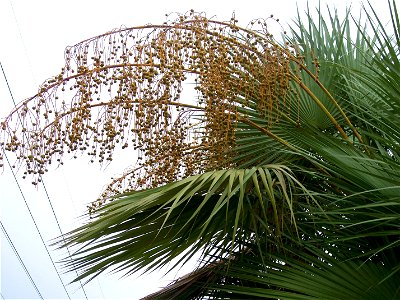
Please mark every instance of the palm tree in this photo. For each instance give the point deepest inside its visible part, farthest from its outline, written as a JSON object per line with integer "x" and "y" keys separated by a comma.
{"x": 284, "y": 173}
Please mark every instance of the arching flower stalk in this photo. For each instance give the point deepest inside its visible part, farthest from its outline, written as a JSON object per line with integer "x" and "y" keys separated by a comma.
{"x": 124, "y": 89}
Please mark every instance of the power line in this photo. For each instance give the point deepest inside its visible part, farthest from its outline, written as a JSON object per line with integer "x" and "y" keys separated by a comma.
{"x": 34, "y": 222}
{"x": 23, "y": 196}
{"x": 45, "y": 190}
{"x": 73, "y": 205}
{"x": 12, "y": 97}
{"x": 20, "y": 260}
{"x": 20, "y": 35}
{"x": 101, "y": 290}
{"x": 44, "y": 186}
{"x": 62, "y": 234}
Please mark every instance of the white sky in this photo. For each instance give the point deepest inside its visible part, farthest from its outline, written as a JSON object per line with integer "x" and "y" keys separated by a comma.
{"x": 33, "y": 36}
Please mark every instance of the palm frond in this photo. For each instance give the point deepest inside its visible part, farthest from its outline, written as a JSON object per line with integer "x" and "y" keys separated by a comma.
{"x": 307, "y": 274}
{"x": 148, "y": 229}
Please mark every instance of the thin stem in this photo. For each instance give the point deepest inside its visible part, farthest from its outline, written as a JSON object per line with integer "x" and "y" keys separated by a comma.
{"x": 321, "y": 105}
{"x": 330, "y": 97}
{"x": 268, "y": 133}
{"x": 57, "y": 119}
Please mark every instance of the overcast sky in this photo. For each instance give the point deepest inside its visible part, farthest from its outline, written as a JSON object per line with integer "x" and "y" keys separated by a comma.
{"x": 33, "y": 37}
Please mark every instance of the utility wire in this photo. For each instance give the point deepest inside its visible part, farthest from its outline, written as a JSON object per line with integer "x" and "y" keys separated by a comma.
{"x": 40, "y": 177}
{"x": 12, "y": 97}
{"x": 44, "y": 186}
{"x": 20, "y": 35}
{"x": 62, "y": 234}
{"x": 45, "y": 190}
{"x": 74, "y": 207}
{"x": 23, "y": 196}
{"x": 34, "y": 222}
{"x": 20, "y": 260}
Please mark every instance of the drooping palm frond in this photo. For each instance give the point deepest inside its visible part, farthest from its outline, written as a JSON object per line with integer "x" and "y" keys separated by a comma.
{"x": 148, "y": 229}
{"x": 294, "y": 273}
{"x": 195, "y": 285}
{"x": 306, "y": 274}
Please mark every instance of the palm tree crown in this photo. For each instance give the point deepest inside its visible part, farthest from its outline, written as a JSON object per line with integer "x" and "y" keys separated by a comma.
{"x": 283, "y": 173}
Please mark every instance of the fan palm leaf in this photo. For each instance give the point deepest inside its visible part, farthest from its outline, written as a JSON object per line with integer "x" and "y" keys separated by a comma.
{"x": 149, "y": 229}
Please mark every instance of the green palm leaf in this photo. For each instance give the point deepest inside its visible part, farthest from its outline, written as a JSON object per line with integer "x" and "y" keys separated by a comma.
{"x": 148, "y": 229}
